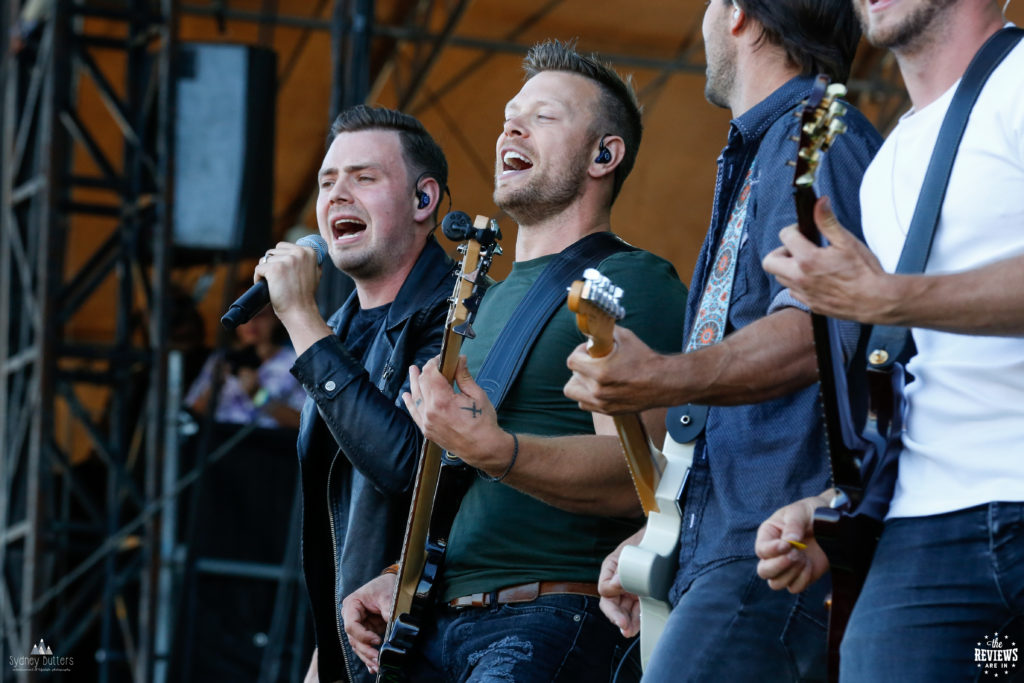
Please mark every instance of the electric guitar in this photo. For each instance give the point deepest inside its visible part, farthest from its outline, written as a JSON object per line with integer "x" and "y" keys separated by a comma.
{"x": 847, "y": 542}
{"x": 659, "y": 476}
{"x": 439, "y": 477}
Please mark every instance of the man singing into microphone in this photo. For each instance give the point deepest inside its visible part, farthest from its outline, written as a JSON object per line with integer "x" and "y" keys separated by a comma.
{"x": 380, "y": 184}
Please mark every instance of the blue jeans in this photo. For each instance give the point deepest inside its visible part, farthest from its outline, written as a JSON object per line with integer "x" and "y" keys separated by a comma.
{"x": 939, "y": 588}
{"x": 729, "y": 626}
{"x": 553, "y": 638}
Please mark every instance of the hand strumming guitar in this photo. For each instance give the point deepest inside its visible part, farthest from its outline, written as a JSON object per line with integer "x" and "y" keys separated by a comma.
{"x": 620, "y": 606}
{"x": 782, "y": 561}
{"x": 365, "y": 613}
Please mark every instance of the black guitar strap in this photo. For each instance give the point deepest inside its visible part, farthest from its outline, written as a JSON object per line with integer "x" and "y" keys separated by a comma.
{"x": 508, "y": 353}
{"x": 889, "y": 345}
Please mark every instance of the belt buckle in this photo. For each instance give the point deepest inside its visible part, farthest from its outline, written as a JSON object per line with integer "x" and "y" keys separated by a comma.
{"x": 474, "y": 600}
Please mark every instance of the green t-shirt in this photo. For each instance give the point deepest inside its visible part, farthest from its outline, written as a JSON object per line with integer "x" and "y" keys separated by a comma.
{"x": 501, "y": 536}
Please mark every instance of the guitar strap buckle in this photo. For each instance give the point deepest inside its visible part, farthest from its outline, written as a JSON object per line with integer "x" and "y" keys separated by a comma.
{"x": 685, "y": 423}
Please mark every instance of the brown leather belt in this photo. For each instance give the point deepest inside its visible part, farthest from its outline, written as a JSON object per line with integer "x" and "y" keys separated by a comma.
{"x": 525, "y": 592}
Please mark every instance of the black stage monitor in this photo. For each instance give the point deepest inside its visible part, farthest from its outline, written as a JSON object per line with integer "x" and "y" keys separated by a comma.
{"x": 224, "y": 147}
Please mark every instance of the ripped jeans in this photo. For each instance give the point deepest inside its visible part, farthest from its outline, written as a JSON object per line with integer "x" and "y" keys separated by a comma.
{"x": 553, "y": 638}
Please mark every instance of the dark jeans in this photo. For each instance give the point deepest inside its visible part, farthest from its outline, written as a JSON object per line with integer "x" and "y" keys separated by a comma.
{"x": 940, "y": 588}
{"x": 562, "y": 638}
{"x": 729, "y": 626}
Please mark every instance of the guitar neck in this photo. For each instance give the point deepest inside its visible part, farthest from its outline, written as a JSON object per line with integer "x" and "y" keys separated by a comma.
{"x": 642, "y": 459}
{"x": 845, "y": 470}
{"x": 595, "y": 302}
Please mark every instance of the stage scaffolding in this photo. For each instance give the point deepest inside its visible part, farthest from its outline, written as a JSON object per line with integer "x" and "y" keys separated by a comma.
{"x": 80, "y": 558}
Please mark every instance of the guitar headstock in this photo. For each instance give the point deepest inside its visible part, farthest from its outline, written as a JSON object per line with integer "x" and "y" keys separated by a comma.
{"x": 820, "y": 123}
{"x": 596, "y": 302}
{"x": 479, "y": 248}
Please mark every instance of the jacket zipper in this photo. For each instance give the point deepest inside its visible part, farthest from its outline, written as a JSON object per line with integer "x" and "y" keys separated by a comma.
{"x": 385, "y": 375}
{"x": 337, "y": 577}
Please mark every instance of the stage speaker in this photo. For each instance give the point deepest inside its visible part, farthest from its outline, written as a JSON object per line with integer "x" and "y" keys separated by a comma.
{"x": 224, "y": 147}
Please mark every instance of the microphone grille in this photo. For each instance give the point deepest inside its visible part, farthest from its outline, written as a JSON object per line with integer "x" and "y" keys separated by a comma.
{"x": 317, "y": 243}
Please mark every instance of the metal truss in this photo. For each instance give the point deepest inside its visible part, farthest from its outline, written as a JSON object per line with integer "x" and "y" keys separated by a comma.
{"x": 72, "y": 566}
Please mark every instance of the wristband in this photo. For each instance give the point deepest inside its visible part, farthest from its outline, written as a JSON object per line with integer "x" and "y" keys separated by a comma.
{"x": 511, "y": 463}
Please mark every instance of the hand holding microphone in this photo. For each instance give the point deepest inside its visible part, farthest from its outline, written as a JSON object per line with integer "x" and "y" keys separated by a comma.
{"x": 258, "y": 296}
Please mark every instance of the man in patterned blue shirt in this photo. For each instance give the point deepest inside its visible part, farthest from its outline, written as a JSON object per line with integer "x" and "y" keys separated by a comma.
{"x": 749, "y": 357}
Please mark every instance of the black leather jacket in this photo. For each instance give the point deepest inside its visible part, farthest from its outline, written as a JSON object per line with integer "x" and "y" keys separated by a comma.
{"x": 358, "y": 450}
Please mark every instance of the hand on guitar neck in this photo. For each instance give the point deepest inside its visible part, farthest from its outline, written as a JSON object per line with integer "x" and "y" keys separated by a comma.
{"x": 782, "y": 560}
{"x": 463, "y": 423}
{"x": 621, "y": 382}
{"x": 842, "y": 279}
{"x": 365, "y": 613}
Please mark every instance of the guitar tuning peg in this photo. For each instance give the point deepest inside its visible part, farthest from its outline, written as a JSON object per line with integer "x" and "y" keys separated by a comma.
{"x": 791, "y": 163}
{"x": 835, "y": 90}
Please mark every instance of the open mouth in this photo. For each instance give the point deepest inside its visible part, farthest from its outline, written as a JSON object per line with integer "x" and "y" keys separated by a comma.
{"x": 512, "y": 161}
{"x": 347, "y": 229}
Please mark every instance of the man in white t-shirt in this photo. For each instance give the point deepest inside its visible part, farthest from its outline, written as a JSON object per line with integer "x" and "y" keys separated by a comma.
{"x": 944, "y": 599}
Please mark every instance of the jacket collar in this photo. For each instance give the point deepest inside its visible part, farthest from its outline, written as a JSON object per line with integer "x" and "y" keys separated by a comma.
{"x": 418, "y": 289}
{"x": 431, "y": 267}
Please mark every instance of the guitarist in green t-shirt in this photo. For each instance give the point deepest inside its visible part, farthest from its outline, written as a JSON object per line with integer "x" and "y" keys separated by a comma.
{"x": 518, "y": 595}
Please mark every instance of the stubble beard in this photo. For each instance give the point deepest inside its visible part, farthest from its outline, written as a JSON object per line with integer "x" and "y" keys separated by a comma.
{"x": 364, "y": 263}
{"x": 543, "y": 196}
{"x": 912, "y": 34}
{"x": 720, "y": 77}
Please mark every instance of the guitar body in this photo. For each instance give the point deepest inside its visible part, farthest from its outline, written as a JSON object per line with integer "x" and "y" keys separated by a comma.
{"x": 849, "y": 543}
{"x": 649, "y": 569}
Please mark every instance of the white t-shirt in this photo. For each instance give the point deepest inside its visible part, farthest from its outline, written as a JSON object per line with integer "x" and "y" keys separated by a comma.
{"x": 964, "y": 439}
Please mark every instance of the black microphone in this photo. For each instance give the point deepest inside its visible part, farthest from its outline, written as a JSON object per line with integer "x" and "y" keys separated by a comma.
{"x": 258, "y": 296}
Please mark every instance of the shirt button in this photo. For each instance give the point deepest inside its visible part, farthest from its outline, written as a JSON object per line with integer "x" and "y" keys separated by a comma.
{"x": 329, "y": 385}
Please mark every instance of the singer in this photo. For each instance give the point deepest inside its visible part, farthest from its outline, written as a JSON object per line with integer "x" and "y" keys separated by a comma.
{"x": 380, "y": 184}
